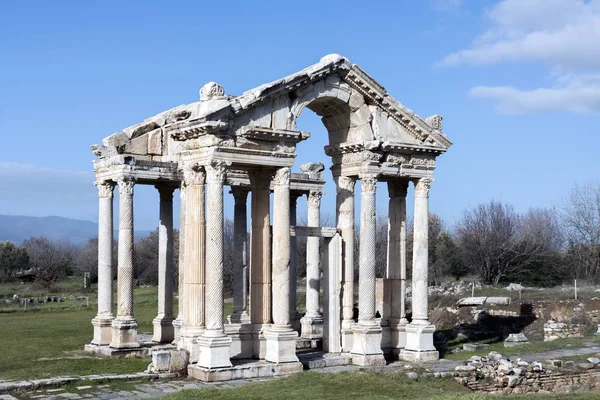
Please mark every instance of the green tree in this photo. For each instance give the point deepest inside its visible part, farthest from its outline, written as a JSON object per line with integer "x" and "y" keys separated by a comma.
{"x": 448, "y": 257}
{"x": 12, "y": 259}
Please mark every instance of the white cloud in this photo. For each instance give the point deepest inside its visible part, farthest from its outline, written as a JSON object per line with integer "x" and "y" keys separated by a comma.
{"x": 573, "y": 93}
{"x": 564, "y": 35}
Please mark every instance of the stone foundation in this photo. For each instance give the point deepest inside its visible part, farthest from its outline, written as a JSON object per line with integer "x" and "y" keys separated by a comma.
{"x": 241, "y": 370}
{"x": 560, "y": 330}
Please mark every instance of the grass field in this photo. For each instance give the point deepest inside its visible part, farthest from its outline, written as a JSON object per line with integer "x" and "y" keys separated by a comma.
{"x": 356, "y": 385}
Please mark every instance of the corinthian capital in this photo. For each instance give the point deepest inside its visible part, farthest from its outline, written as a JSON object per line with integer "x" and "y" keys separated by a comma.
{"x": 369, "y": 183}
{"x": 215, "y": 172}
{"x": 314, "y": 198}
{"x": 126, "y": 184}
{"x": 398, "y": 188}
{"x": 194, "y": 175}
{"x": 422, "y": 186}
{"x": 105, "y": 189}
{"x": 282, "y": 176}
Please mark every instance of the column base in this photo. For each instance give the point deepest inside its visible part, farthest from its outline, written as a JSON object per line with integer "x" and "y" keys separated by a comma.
{"x": 188, "y": 337}
{"x": 238, "y": 318}
{"x": 259, "y": 343}
{"x": 366, "y": 346}
{"x": 241, "y": 340}
{"x": 177, "y": 324}
{"x": 124, "y": 333}
{"x": 398, "y": 336}
{"x": 419, "y": 343}
{"x": 347, "y": 335}
{"x": 214, "y": 352}
{"x": 281, "y": 346}
{"x": 102, "y": 330}
{"x": 163, "y": 330}
{"x": 312, "y": 327}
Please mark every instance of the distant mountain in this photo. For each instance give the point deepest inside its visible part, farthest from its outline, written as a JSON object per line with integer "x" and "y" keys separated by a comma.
{"x": 18, "y": 228}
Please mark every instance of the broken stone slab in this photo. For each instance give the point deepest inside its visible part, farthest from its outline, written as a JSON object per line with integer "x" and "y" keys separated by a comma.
{"x": 169, "y": 360}
{"x": 498, "y": 301}
{"x": 475, "y": 346}
{"x": 516, "y": 339}
{"x": 594, "y": 360}
{"x": 516, "y": 287}
{"x": 471, "y": 301}
{"x": 465, "y": 368}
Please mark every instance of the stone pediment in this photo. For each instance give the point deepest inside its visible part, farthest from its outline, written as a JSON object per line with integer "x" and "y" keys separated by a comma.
{"x": 354, "y": 108}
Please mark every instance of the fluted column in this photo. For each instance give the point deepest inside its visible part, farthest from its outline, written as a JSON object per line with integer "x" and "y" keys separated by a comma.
{"x": 163, "y": 323}
{"x": 366, "y": 348}
{"x": 281, "y": 338}
{"x": 103, "y": 320}
{"x": 240, "y": 257}
{"x": 312, "y": 322}
{"x": 345, "y": 223}
{"x": 193, "y": 260}
{"x": 419, "y": 333}
{"x": 214, "y": 344}
{"x": 125, "y": 326}
{"x": 178, "y": 322}
{"x": 294, "y": 314}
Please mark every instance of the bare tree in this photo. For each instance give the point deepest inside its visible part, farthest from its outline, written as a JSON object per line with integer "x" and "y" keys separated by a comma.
{"x": 50, "y": 260}
{"x": 86, "y": 259}
{"x": 581, "y": 218}
{"x": 489, "y": 235}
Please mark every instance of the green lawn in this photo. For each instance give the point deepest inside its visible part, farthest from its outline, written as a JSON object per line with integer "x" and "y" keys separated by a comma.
{"x": 355, "y": 385}
{"x": 48, "y": 340}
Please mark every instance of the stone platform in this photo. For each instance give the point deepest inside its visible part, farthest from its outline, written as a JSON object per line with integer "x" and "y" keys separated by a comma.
{"x": 319, "y": 359}
{"x": 244, "y": 369}
{"x": 144, "y": 350}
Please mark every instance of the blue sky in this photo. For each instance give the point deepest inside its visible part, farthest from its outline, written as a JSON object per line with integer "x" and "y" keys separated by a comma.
{"x": 517, "y": 81}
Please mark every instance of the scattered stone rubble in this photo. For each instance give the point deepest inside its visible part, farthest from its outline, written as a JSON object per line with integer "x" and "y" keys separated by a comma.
{"x": 495, "y": 373}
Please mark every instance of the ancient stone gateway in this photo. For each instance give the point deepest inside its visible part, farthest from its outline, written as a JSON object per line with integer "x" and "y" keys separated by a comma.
{"x": 248, "y": 142}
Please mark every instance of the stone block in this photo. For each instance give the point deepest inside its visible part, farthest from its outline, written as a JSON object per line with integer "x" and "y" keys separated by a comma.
{"x": 515, "y": 339}
{"x": 281, "y": 346}
{"x": 155, "y": 142}
{"x": 475, "y": 346}
{"x": 138, "y": 145}
{"x": 214, "y": 352}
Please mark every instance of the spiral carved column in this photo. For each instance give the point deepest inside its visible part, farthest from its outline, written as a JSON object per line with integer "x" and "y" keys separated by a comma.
{"x": 125, "y": 326}
{"x": 366, "y": 346}
{"x": 214, "y": 344}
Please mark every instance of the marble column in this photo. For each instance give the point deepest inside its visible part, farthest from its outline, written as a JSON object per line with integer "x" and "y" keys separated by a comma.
{"x": 124, "y": 326}
{"x": 193, "y": 260}
{"x": 295, "y": 316}
{"x": 345, "y": 223}
{"x": 240, "y": 257}
{"x": 396, "y": 261}
{"x": 281, "y": 338}
{"x": 178, "y": 322}
{"x": 103, "y": 321}
{"x": 419, "y": 333}
{"x": 214, "y": 343}
{"x": 163, "y": 323}
{"x": 366, "y": 346}
{"x": 312, "y": 322}
{"x": 260, "y": 259}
